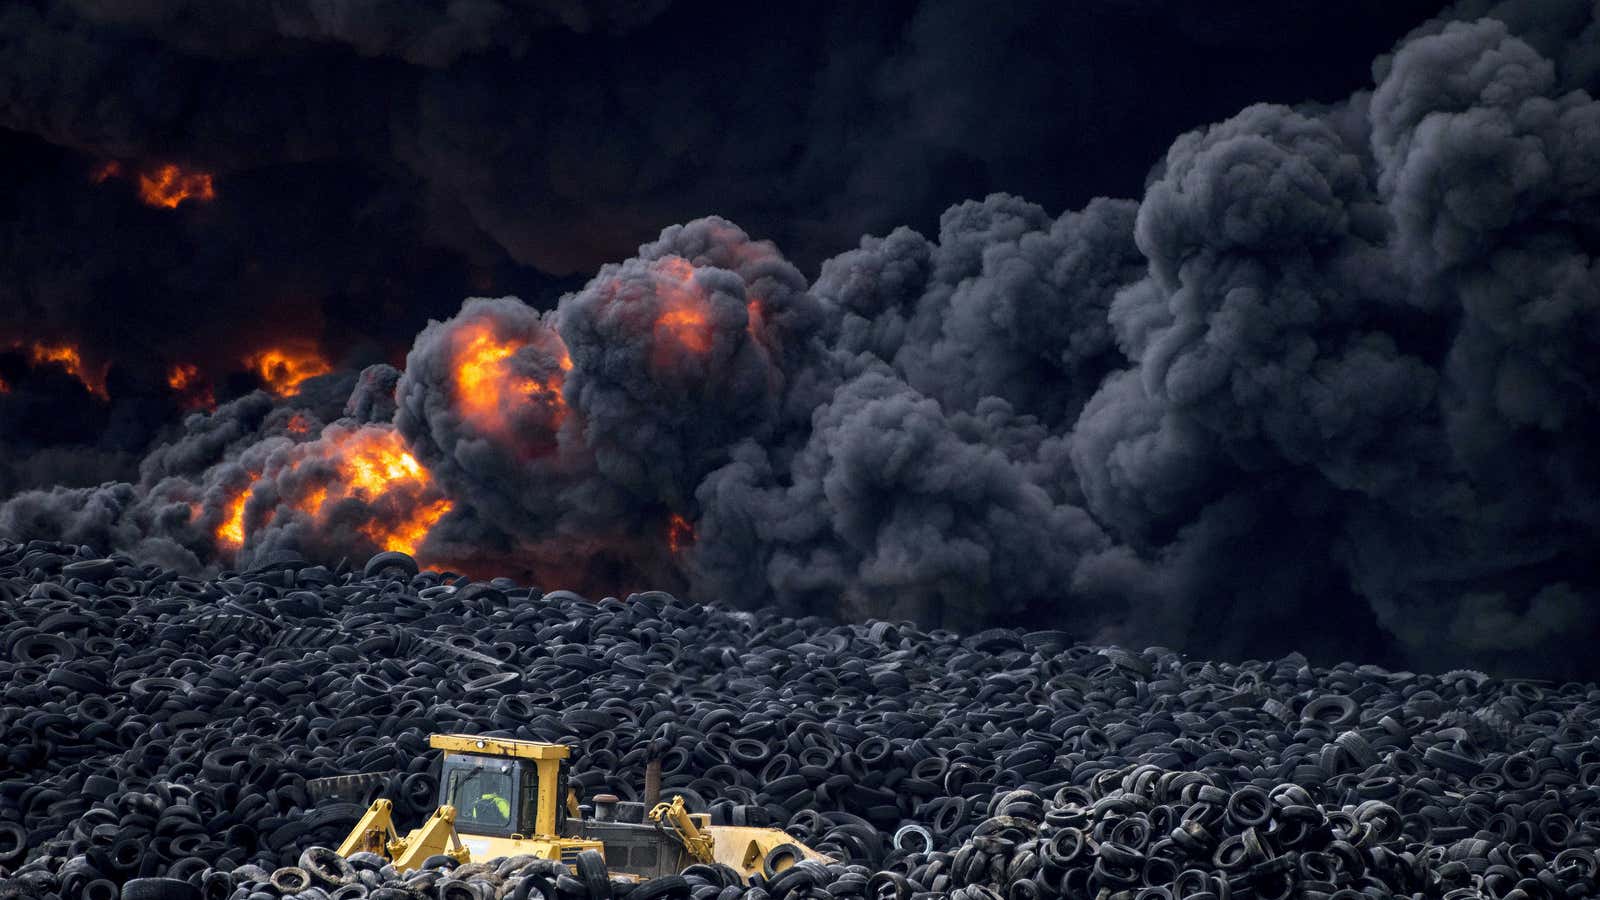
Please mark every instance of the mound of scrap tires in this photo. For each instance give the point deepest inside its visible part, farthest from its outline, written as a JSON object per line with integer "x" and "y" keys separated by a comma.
{"x": 158, "y": 733}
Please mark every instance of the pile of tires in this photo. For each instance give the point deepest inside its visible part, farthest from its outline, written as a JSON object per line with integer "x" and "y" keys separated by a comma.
{"x": 157, "y": 734}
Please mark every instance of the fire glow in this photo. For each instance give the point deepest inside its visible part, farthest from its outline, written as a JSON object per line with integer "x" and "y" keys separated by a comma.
{"x": 67, "y": 357}
{"x": 284, "y": 368}
{"x": 374, "y": 467}
{"x": 396, "y": 497}
{"x": 165, "y": 186}
{"x": 680, "y": 534}
{"x": 231, "y": 532}
{"x": 752, "y": 312}
{"x": 685, "y": 316}
{"x": 486, "y": 382}
{"x": 193, "y": 393}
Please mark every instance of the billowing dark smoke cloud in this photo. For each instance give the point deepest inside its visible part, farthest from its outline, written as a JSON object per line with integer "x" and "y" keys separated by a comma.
{"x": 373, "y": 163}
{"x": 1325, "y": 386}
{"x": 1383, "y": 314}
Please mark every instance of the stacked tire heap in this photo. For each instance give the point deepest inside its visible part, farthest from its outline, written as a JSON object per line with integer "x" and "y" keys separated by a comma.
{"x": 158, "y": 732}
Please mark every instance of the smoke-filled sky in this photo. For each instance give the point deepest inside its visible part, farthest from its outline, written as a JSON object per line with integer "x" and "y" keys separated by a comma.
{"x": 1254, "y": 326}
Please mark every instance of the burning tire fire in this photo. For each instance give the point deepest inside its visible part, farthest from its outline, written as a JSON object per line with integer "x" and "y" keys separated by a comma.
{"x": 1000, "y": 560}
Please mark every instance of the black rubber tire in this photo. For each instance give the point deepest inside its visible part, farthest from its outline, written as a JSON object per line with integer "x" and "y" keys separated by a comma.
{"x": 673, "y": 886}
{"x": 451, "y": 889}
{"x": 13, "y": 843}
{"x": 159, "y": 889}
{"x": 439, "y": 861}
{"x": 769, "y": 863}
{"x": 290, "y": 880}
{"x": 328, "y": 867}
{"x": 790, "y": 878}
{"x": 216, "y": 885}
{"x": 533, "y": 887}
{"x": 900, "y": 889}
{"x": 913, "y": 838}
{"x": 390, "y": 559}
{"x": 592, "y": 872}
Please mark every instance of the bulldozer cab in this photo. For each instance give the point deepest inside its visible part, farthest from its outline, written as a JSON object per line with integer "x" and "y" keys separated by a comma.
{"x": 502, "y": 787}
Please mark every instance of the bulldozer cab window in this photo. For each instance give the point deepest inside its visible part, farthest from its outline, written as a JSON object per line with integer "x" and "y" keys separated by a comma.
{"x": 528, "y": 813}
{"x": 561, "y": 800}
{"x": 530, "y": 800}
{"x": 484, "y": 793}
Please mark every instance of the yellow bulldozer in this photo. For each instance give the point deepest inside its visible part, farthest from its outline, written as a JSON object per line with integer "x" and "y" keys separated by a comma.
{"x": 500, "y": 797}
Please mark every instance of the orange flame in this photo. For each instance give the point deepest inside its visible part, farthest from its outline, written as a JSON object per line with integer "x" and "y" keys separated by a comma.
{"x": 230, "y": 533}
{"x": 5, "y": 388}
{"x": 311, "y": 503}
{"x": 167, "y": 186}
{"x": 284, "y": 368}
{"x": 106, "y": 171}
{"x": 486, "y": 383}
{"x": 685, "y": 316}
{"x": 680, "y": 534}
{"x": 753, "y": 320}
{"x": 182, "y": 376}
{"x": 298, "y": 425}
{"x": 192, "y": 391}
{"x": 370, "y": 465}
{"x": 67, "y": 357}
{"x": 411, "y": 532}
{"x": 373, "y": 466}
{"x": 689, "y": 327}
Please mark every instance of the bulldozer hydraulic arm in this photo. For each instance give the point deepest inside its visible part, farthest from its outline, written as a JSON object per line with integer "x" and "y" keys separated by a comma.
{"x": 436, "y": 836}
{"x": 672, "y": 816}
{"x": 373, "y": 832}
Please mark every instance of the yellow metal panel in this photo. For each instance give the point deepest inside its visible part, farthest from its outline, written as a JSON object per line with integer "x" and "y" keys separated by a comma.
{"x": 485, "y": 848}
{"x": 544, "y": 815}
{"x": 436, "y": 836}
{"x": 375, "y": 830}
{"x": 466, "y": 743}
{"x": 743, "y": 847}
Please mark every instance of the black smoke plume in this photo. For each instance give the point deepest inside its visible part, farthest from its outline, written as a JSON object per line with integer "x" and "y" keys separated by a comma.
{"x": 1326, "y": 386}
{"x": 373, "y": 165}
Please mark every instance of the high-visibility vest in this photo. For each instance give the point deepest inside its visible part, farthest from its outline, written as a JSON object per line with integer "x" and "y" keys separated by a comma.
{"x": 499, "y": 802}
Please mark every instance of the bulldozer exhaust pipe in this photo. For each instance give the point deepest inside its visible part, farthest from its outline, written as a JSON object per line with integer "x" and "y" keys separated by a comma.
{"x": 652, "y": 783}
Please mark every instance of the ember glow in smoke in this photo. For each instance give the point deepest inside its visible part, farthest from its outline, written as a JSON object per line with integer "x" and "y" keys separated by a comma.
{"x": 162, "y": 186}
{"x": 187, "y": 383}
{"x": 284, "y": 368}
{"x": 684, "y": 318}
{"x": 167, "y": 186}
{"x": 488, "y": 385}
{"x": 348, "y": 481}
{"x": 66, "y": 356}
{"x": 373, "y": 468}
{"x": 680, "y": 534}
{"x": 231, "y": 533}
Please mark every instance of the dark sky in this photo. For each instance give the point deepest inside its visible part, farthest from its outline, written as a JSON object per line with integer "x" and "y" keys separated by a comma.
{"x": 372, "y": 169}
{"x": 1317, "y": 376}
